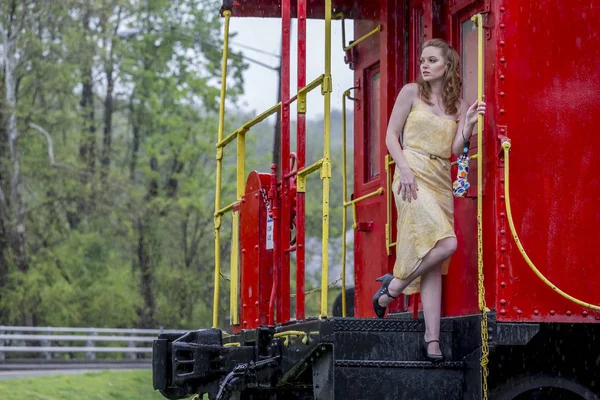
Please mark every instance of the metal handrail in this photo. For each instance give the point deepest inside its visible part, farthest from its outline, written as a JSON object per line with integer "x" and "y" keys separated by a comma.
{"x": 325, "y": 82}
{"x": 340, "y": 15}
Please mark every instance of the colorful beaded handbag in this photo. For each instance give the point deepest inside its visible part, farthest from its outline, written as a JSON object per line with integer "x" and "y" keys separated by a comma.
{"x": 461, "y": 184}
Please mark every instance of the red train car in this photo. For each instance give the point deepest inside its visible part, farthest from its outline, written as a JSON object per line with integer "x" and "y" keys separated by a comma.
{"x": 521, "y": 308}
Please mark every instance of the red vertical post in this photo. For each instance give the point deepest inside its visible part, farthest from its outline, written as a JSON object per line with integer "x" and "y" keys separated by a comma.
{"x": 301, "y": 141}
{"x": 283, "y": 303}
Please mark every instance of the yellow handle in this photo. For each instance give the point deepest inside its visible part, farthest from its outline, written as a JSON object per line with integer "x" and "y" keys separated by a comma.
{"x": 478, "y": 21}
{"x": 511, "y": 224}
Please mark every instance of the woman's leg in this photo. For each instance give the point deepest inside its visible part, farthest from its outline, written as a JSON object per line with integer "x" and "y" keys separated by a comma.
{"x": 442, "y": 250}
{"x": 431, "y": 299}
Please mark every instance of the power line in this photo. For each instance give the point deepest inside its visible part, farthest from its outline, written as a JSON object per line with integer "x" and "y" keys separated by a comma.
{"x": 245, "y": 46}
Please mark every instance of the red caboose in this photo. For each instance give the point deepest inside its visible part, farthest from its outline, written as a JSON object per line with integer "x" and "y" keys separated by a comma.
{"x": 520, "y": 305}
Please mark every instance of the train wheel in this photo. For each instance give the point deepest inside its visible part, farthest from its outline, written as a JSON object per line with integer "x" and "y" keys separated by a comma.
{"x": 337, "y": 304}
{"x": 542, "y": 387}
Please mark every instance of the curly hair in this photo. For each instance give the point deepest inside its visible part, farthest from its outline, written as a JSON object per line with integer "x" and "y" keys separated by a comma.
{"x": 452, "y": 81}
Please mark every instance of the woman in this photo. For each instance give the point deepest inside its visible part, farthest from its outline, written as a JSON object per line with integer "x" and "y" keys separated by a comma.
{"x": 435, "y": 123}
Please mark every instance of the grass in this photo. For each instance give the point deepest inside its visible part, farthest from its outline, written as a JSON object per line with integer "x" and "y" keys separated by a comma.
{"x": 122, "y": 385}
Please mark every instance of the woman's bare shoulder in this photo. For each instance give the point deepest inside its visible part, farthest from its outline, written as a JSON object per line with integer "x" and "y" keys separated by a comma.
{"x": 411, "y": 89}
{"x": 408, "y": 93}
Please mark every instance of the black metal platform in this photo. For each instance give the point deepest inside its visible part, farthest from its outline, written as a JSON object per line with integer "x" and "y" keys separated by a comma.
{"x": 325, "y": 359}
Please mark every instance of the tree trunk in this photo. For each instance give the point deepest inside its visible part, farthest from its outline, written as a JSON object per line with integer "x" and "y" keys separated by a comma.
{"x": 14, "y": 204}
{"x": 135, "y": 146}
{"x": 108, "y": 116}
{"x": 146, "y": 278}
{"x": 87, "y": 148}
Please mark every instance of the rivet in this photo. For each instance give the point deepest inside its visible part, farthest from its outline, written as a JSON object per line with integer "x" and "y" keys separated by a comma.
{"x": 256, "y": 247}
{"x": 256, "y": 321}
{"x": 502, "y": 214}
{"x": 501, "y": 197}
{"x": 501, "y": 77}
{"x": 501, "y": 180}
{"x": 536, "y": 312}
{"x": 552, "y": 312}
{"x": 585, "y": 313}
{"x": 243, "y": 250}
{"x": 502, "y": 111}
{"x": 502, "y": 26}
{"x": 502, "y": 9}
{"x": 300, "y": 246}
{"x": 569, "y": 313}
{"x": 256, "y": 303}
{"x": 244, "y": 305}
{"x": 502, "y": 311}
{"x": 245, "y": 322}
{"x": 503, "y": 249}
{"x": 502, "y": 130}
{"x": 502, "y": 60}
{"x": 256, "y": 195}
{"x": 502, "y": 43}
{"x": 502, "y": 266}
{"x": 502, "y": 302}
{"x": 243, "y": 199}
{"x": 503, "y": 284}
{"x": 501, "y": 94}
{"x": 519, "y": 312}
{"x": 503, "y": 231}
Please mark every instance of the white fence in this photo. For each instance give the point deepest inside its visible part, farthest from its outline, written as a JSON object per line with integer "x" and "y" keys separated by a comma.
{"x": 51, "y": 342}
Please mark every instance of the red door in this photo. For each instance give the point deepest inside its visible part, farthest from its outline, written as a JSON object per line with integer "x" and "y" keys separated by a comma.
{"x": 378, "y": 78}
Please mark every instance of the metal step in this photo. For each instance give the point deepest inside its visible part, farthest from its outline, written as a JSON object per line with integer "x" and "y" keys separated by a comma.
{"x": 387, "y": 340}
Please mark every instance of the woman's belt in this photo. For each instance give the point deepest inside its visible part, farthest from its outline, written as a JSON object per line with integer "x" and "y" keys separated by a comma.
{"x": 432, "y": 156}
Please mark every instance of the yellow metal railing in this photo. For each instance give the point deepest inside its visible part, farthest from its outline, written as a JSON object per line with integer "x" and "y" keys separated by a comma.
{"x": 326, "y": 90}
{"x": 506, "y": 148}
{"x": 323, "y": 165}
{"x": 340, "y": 16}
{"x": 478, "y": 21}
{"x": 240, "y": 135}
{"x": 227, "y": 15}
{"x": 388, "y": 194}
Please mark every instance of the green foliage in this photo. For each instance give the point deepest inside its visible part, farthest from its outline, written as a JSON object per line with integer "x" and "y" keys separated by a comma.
{"x": 119, "y": 216}
{"x": 119, "y": 225}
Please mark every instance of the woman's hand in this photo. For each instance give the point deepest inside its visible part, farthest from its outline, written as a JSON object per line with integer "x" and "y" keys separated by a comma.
{"x": 408, "y": 185}
{"x": 475, "y": 109}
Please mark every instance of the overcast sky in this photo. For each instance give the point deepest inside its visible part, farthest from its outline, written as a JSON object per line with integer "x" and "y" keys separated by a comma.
{"x": 261, "y": 83}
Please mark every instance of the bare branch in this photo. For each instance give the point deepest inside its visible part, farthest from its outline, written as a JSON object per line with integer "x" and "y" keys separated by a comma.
{"x": 53, "y": 163}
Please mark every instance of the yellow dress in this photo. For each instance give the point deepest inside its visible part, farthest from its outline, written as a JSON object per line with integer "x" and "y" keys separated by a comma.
{"x": 427, "y": 147}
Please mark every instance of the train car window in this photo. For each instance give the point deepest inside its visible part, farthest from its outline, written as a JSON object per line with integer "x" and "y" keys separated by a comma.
{"x": 469, "y": 60}
{"x": 417, "y": 39}
{"x": 373, "y": 121}
{"x": 421, "y": 32}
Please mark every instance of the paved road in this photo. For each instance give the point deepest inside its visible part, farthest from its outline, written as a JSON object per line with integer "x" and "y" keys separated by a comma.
{"x": 35, "y": 373}
{"x": 34, "y": 370}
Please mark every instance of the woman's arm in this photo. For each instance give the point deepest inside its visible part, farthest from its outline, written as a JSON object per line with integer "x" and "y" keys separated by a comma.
{"x": 396, "y": 123}
{"x": 408, "y": 184}
{"x": 466, "y": 123}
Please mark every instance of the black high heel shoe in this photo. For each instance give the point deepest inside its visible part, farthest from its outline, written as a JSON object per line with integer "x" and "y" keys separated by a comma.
{"x": 383, "y": 290}
{"x": 434, "y": 358}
